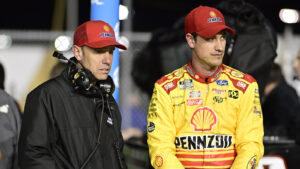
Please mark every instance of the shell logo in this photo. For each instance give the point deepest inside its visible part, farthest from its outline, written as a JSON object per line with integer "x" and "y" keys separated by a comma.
{"x": 106, "y": 28}
{"x": 212, "y": 14}
{"x": 203, "y": 119}
{"x": 159, "y": 161}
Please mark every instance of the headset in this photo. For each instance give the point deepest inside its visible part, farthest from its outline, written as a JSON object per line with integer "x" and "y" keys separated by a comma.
{"x": 84, "y": 81}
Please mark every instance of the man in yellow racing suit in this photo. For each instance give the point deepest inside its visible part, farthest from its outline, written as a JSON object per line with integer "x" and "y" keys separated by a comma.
{"x": 201, "y": 121}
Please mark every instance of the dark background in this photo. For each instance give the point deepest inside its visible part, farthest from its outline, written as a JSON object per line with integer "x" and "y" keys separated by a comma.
{"x": 148, "y": 15}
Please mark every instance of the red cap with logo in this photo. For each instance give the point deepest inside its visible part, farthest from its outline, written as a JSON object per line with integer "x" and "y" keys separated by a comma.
{"x": 206, "y": 22}
{"x": 96, "y": 34}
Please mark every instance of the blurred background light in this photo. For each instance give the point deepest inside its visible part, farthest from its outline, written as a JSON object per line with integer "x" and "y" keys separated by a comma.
{"x": 124, "y": 41}
{"x": 289, "y": 15}
{"x": 63, "y": 43}
{"x": 5, "y": 41}
{"x": 123, "y": 12}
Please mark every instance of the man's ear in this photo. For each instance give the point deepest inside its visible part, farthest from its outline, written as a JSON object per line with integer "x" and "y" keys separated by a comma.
{"x": 77, "y": 51}
{"x": 190, "y": 40}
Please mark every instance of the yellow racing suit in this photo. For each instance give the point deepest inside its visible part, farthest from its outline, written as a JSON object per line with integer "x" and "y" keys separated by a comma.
{"x": 195, "y": 121}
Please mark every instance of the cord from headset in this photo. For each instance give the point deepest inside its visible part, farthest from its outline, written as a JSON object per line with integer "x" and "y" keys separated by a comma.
{"x": 116, "y": 143}
{"x": 99, "y": 135}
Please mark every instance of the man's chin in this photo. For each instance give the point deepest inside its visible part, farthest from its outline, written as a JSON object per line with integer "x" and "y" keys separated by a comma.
{"x": 102, "y": 77}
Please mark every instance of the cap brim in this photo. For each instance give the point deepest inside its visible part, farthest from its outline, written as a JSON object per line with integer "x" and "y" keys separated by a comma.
{"x": 101, "y": 44}
{"x": 209, "y": 32}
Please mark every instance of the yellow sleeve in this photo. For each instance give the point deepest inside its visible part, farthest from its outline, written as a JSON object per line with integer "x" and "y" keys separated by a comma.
{"x": 249, "y": 132}
{"x": 161, "y": 131}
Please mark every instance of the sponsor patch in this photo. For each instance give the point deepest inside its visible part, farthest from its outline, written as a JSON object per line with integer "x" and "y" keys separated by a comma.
{"x": 186, "y": 84}
{"x": 190, "y": 71}
{"x": 168, "y": 86}
{"x": 237, "y": 74}
{"x": 218, "y": 91}
{"x": 151, "y": 127}
{"x": 215, "y": 19}
{"x": 179, "y": 104}
{"x": 195, "y": 94}
{"x": 4, "y": 108}
{"x": 177, "y": 97}
{"x": 218, "y": 99}
{"x": 192, "y": 102}
{"x": 233, "y": 94}
{"x": 203, "y": 119}
{"x": 109, "y": 121}
{"x": 159, "y": 161}
{"x": 152, "y": 115}
{"x": 257, "y": 111}
{"x": 222, "y": 82}
{"x": 252, "y": 163}
{"x": 241, "y": 84}
{"x": 105, "y": 35}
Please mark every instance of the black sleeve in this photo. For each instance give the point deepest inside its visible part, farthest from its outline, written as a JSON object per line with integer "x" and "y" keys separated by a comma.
{"x": 34, "y": 144}
{"x": 10, "y": 122}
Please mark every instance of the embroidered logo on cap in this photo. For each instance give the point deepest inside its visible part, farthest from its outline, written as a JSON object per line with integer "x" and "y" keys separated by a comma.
{"x": 104, "y": 35}
{"x": 106, "y": 28}
{"x": 213, "y": 18}
{"x": 212, "y": 14}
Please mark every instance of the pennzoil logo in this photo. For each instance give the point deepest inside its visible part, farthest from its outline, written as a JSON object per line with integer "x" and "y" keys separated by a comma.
{"x": 203, "y": 142}
{"x": 203, "y": 119}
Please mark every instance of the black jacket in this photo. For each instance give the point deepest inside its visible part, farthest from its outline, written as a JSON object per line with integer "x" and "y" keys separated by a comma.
{"x": 10, "y": 124}
{"x": 61, "y": 127}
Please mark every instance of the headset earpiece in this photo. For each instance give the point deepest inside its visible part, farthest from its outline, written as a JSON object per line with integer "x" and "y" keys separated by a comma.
{"x": 106, "y": 86}
{"x": 84, "y": 81}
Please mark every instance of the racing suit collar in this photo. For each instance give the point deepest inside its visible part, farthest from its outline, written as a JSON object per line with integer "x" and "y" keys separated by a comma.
{"x": 201, "y": 78}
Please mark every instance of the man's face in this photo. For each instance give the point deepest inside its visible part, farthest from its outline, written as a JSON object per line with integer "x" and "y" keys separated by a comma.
{"x": 209, "y": 52}
{"x": 96, "y": 60}
{"x": 296, "y": 65}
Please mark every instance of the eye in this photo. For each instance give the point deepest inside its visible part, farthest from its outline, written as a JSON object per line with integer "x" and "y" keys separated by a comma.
{"x": 224, "y": 36}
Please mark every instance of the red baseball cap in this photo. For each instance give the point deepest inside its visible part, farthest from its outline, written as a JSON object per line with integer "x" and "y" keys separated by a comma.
{"x": 206, "y": 22}
{"x": 96, "y": 34}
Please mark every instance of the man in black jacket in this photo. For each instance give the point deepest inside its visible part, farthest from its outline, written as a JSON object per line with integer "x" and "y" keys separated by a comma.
{"x": 72, "y": 121}
{"x": 10, "y": 124}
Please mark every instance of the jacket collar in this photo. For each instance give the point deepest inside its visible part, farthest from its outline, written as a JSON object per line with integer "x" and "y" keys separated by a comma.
{"x": 201, "y": 78}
